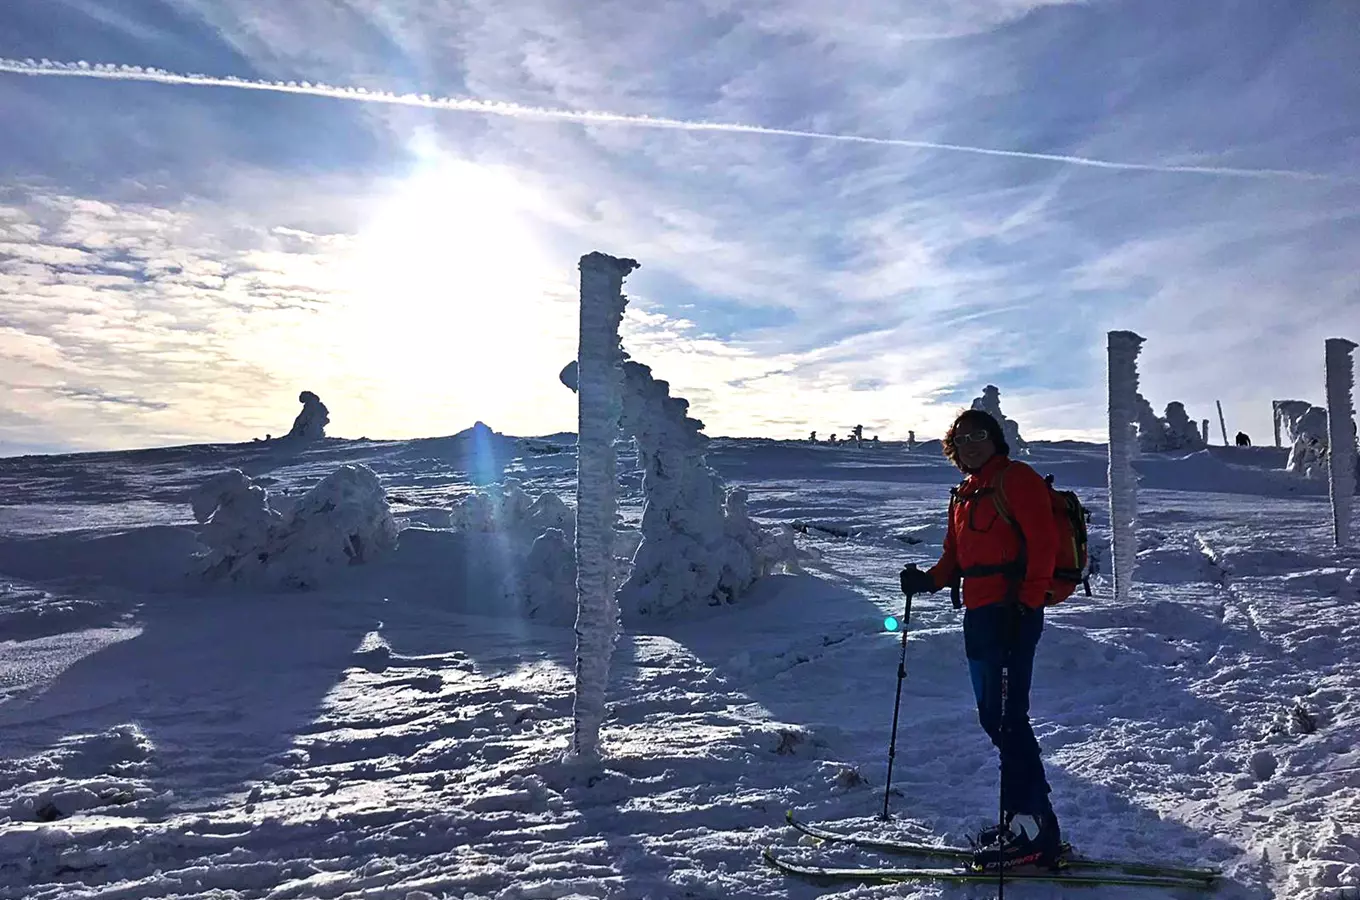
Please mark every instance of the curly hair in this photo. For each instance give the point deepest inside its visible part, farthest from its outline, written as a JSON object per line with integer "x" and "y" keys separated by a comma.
{"x": 973, "y": 419}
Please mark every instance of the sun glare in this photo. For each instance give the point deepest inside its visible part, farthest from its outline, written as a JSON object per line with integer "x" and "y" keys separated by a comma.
{"x": 452, "y": 280}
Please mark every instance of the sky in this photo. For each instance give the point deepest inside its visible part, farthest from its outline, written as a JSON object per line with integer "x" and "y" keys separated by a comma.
{"x": 178, "y": 260}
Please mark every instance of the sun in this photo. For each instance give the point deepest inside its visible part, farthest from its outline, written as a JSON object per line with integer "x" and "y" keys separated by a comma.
{"x": 451, "y": 283}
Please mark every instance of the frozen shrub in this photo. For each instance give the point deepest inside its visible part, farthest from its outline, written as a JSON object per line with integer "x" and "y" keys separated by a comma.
{"x": 343, "y": 520}
{"x": 238, "y": 524}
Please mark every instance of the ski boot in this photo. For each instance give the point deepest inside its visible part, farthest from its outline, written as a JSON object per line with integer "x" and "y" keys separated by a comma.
{"x": 1025, "y": 841}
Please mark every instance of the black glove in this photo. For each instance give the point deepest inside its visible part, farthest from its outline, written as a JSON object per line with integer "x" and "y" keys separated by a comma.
{"x": 914, "y": 581}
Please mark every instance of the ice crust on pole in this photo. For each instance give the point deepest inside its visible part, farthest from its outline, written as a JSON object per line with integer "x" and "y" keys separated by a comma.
{"x": 1124, "y": 347}
{"x": 600, "y": 405}
{"x": 1341, "y": 435}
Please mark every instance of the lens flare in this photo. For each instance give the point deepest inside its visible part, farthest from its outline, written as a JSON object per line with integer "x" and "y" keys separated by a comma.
{"x": 890, "y": 623}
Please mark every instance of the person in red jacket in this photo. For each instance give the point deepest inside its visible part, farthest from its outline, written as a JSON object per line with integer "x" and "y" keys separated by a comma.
{"x": 1003, "y": 543}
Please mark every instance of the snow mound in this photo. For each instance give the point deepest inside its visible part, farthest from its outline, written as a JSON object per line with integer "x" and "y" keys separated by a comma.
{"x": 83, "y": 771}
{"x": 344, "y": 520}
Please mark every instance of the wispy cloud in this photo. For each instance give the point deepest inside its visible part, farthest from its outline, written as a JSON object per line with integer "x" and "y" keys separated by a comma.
{"x": 95, "y": 395}
{"x": 110, "y": 72}
{"x": 841, "y": 220}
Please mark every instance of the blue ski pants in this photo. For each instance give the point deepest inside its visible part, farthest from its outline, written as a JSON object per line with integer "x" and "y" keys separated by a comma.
{"x": 1000, "y": 634}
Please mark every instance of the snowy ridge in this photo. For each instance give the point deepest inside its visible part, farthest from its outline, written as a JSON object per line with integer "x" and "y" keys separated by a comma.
{"x": 398, "y": 732}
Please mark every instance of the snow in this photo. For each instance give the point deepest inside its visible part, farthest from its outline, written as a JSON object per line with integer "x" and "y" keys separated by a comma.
{"x": 398, "y": 731}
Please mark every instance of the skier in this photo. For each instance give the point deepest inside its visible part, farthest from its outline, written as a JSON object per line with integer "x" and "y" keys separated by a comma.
{"x": 1006, "y": 571}
{"x": 1243, "y": 440}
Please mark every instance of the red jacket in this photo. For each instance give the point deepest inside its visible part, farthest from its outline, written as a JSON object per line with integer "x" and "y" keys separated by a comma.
{"x": 979, "y": 536}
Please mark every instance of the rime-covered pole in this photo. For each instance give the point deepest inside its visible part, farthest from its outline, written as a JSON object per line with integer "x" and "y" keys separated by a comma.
{"x": 1124, "y": 347}
{"x": 1341, "y": 435}
{"x": 1206, "y": 433}
{"x": 1275, "y": 417}
{"x": 600, "y": 405}
{"x": 1222, "y": 425}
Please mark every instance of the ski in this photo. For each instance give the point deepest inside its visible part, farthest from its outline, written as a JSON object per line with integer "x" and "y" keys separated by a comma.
{"x": 960, "y": 874}
{"x": 1189, "y": 873}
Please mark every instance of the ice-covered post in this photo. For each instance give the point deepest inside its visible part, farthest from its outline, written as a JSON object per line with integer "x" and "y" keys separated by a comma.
{"x": 1206, "y": 432}
{"x": 1275, "y": 417}
{"x": 1222, "y": 425}
{"x": 600, "y": 404}
{"x": 1124, "y": 347}
{"x": 1341, "y": 435}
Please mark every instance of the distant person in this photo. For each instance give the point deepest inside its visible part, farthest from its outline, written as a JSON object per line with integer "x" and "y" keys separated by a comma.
{"x": 1006, "y": 582}
{"x": 1243, "y": 440}
{"x": 911, "y": 440}
{"x": 874, "y": 440}
{"x": 812, "y": 438}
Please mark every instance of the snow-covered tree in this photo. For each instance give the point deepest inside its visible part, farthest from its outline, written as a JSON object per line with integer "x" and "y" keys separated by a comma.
{"x": 990, "y": 403}
{"x": 1341, "y": 459}
{"x": 237, "y": 523}
{"x": 1306, "y": 430}
{"x": 310, "y": 424}
{"x": 1151, "y": 429}
{"x": 1173, "y": 431}
{"x": 506, "y": 509}
{"x": 549, "y": 575}
{"x": 1124, "y": 347}
{"x": 343, "y": 520}
{"x": 698, "y": 544}
{"x": 1181, "y": 431}
{"x": 522, "y": 546}
{"x": 600, "y": 405}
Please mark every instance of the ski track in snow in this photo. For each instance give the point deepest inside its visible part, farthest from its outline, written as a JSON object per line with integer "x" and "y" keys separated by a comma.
{"x": 372, "y": 739}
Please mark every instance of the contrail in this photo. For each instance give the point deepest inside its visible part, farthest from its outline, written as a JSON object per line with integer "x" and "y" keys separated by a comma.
{"x": 110, "y": 72}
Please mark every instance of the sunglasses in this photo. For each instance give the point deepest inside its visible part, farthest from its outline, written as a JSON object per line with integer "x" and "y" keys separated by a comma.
{"x": 973, "y": 437}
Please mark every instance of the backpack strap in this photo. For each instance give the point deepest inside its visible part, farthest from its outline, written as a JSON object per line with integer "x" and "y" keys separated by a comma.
{"x": 1016, "y": 569}
{"x": 999, "y": 498}
{"x": 955, "y": 595}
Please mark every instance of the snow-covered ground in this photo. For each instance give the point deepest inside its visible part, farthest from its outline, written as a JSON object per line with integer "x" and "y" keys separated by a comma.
{"x": 398, "y": 734}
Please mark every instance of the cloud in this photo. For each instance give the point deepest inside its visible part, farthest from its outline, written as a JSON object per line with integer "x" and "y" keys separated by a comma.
{"x": 462, "y": 104}
{"x": 925, "y": 207}
{"x": 94, "y": 395}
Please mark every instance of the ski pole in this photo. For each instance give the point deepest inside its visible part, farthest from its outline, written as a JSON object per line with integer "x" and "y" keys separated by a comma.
{"x": 1011, "y": 635}
{"x": 897, "y": 703}
{"x": 1001, "y": 792}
